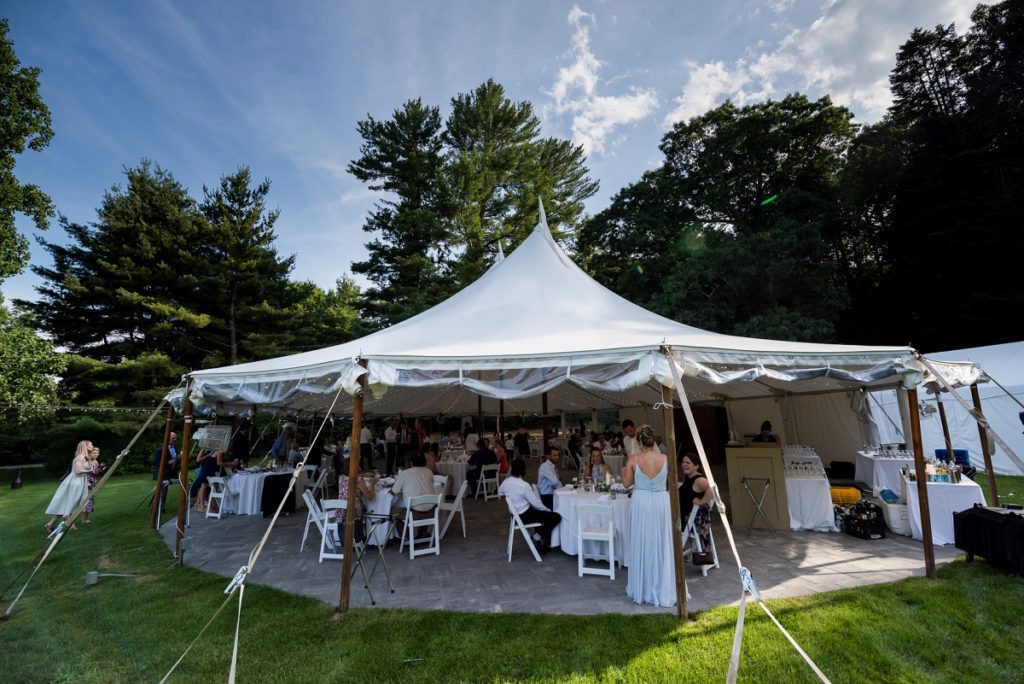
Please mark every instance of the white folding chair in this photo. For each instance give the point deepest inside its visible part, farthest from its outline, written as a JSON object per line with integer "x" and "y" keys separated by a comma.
{"x": 329, "y": 536}
{"x": 455, "y": 507}
{"x": 488, "y": 482}
{"x": 412, "y": 524}
{"x": 516, "y": 523}
{"x": 308, "y": 476}
{"x": 322, "y": 484}
{"x": 315, "y": 515}
{"x": 218, "y": 490}
{"x": 603, "y": 531}
{"x": 690, "y": 531}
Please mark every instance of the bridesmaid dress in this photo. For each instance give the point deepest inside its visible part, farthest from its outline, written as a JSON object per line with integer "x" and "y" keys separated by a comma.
{"x": 651, "y": 576}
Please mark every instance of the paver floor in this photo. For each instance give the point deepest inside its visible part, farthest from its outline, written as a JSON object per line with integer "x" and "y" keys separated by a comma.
{"x": 473, "y": 573}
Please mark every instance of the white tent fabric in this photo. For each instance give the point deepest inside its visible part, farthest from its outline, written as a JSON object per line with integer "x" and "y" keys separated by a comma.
{"x": 1004, "y": 363}
{"x": 536, "y": 323}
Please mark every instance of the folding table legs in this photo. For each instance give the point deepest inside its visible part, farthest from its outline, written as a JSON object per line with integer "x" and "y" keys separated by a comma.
{"x": 758, "y": 502}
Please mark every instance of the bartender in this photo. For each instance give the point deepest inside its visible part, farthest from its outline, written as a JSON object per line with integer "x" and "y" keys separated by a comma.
{"x": 766, "y": 433}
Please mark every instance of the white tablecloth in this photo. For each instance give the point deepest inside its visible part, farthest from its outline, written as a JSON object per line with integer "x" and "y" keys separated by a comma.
{"x": 810, "y": 504}
{"x": 805, "y": 458}
{"x": 245, "y": 493}
{"x": 381, "y": 505}
{"x": 565, "y": 534}
{"x": 944, "y": 499}
{"x": 456, "y": 472}
{"x": 880, "y": 472}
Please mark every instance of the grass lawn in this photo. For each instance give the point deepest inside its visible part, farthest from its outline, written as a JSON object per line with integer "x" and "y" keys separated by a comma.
{"x": 966, "y": 626}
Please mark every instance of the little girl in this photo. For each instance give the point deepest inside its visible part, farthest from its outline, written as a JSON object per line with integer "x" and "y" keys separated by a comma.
{"x": 91, "y": 477}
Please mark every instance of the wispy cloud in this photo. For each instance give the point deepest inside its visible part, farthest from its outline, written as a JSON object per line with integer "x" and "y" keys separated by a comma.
{"x": 846, "y": 52}
{"x": 595, "y": 117}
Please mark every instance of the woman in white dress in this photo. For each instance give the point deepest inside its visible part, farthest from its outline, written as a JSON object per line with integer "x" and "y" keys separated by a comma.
{"x": 652, "y": 572}
{"x": 73, "y": 489}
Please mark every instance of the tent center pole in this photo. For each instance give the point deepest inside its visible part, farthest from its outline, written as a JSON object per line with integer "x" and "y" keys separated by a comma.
{"x": 158, "y": 493}
{"x": 922, "y": 484}
{"x": 544, "y": 422}
{"x": 350, "y": 497}
{"x": 673, "y": 489}
{"x": 993, "y": 492}
{"x": 184, "y": 500}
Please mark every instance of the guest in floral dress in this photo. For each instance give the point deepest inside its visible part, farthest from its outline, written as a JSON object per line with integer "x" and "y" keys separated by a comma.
{"x": 363, "y": 492}
{"x": 92, "y": 476}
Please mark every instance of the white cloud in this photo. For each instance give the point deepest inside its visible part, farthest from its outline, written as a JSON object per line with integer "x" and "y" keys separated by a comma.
{"x": 847, "y": 53}
{"x": 594, "y": 116}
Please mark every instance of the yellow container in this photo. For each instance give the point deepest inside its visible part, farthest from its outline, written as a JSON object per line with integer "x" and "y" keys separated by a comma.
{"x": 845, "y": 496}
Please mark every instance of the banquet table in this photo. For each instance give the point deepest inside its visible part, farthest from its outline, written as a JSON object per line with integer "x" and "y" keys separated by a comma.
{"x": 879, "y": 470}
{"x": 456, "y": 472}
{"x": 810, "y": 504}
{"x": 244, "y": 492}
{"x": 564, "y": 535}
{"x": 944, "y": 499}
{"x": 381, "y": 505}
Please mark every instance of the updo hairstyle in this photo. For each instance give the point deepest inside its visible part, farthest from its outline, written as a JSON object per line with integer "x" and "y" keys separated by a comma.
{"x": 645, "y": 435}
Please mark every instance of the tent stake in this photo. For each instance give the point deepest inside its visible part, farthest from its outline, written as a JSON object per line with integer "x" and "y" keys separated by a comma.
{"x": 350, "y": 497}
{"x": 922, "y": 484}
{"x": 168, "y": 427}
{"x": 673, "y": 497}
{"x": 993, "y": 493}
{"x": 184, "y": 500}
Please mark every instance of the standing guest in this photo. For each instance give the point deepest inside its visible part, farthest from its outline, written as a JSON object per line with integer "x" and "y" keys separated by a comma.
{"x": 408, "y": 444}
{"x": 240, "y": 443}
{"x": 364, "y": 493}
{"x": 660, "y": 443}
{"x": 315, "y": 456}
{"x": 597, "y": 468}
{"x": 279, "y": 450}
{"x": 295, "y": 452}
{"x": 766, "y": 433}
{"x": 652, "y": 574}
{"x": 524, "y": 501}
{"x": 470, "y": 439}
{"x": 629, "y": 442}
{"x": 522, "y": 442}
{"x": 547, "y": 478}
{"x": 421, "y": 435}
{"x": 475, "y": 465}
{"x": 390, "y": 448}
{"x": 695, "y": 490}
{"x": 72, "y": 489}
{"x": 91, "y": 478}
{"x": 171, "y": 467}
{"x": 503, "y": 464}
{"x": 365, "y": 448}
{"x": 339, "y": 461}
{"x": 445, "y": 440}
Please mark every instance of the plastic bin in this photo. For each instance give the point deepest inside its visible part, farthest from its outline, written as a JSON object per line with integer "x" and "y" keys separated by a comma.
{"x": 844, "y": 496}
{"x": 897, "y": 518}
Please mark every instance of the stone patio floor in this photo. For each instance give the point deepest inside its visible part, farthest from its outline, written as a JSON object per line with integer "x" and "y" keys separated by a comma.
{"x": 473, "y": 573}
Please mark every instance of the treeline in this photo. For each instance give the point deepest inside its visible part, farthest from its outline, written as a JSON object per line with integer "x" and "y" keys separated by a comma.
{"x": 786, "y": 220}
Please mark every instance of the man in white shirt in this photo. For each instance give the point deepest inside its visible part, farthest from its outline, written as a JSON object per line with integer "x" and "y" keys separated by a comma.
{"x": 547, "y": 478}
{"x": 524, "y": 501}
{"x": 629, "y": 443}
{"x": 365, "y": 448}
{"x": 413, "y": 482}
{"x": 390, "y": 448}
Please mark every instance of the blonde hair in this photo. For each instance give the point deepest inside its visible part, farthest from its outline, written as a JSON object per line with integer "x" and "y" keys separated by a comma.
{"x": 82, "y": 451}
{"x": 645, "y": 435}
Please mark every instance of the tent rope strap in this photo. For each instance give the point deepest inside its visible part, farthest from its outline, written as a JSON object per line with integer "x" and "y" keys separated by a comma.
{"x": 1006, "y": 391}
{"x": 974, "y": 413}
{"x": 749, "y": 588}
{"x": 57, "y": 535}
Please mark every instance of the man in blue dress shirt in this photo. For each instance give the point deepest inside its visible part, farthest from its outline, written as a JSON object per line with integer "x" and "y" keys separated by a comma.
{"x": 547, "y": 478}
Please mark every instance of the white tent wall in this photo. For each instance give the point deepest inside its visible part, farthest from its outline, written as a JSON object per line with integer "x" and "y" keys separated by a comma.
{"x": 644, "y": 416}
{"x": 827, "y": 422}
{"x": 746, "y": 416}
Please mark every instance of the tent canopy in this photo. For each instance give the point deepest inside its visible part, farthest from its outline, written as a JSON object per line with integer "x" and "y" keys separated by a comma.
{"x": 536, "y": 323}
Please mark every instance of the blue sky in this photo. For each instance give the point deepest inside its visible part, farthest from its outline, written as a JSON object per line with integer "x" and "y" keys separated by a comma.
{"x": 203, "y": 87}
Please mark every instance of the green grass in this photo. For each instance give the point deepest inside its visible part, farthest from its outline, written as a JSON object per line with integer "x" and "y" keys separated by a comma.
{"x": 966, "y": 626}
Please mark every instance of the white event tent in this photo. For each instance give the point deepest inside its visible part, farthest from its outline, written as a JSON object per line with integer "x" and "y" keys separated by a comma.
{"x": 535, "y": 324}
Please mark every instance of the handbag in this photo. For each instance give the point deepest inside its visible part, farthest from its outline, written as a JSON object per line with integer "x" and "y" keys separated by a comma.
{"x": 703, "y": 558}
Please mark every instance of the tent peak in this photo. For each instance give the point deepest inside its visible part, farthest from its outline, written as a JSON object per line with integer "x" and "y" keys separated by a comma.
{"x": 542, "y": 222}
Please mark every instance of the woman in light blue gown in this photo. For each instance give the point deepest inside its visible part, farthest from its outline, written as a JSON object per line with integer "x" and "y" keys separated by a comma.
{"x": 652, "y": 577}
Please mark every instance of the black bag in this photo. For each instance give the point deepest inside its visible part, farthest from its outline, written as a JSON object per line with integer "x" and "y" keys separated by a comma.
{"x": 864, "y": 519}
{"x": 703, "y": 558}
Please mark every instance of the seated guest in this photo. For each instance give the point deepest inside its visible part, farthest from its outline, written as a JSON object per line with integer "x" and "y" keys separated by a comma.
{"x": 597, "y": 468}
{"x": 430, "y": 456}
{"x": 499, "y": 451}
{"x": 481, "y": 457}
{"x": 694, "y": 490}
{"x": 413, "y": 482}
{"x": 364, "y": 493}
{"x": 766, "y": 433}
{"x": 547, "y": 478}
{"x": 294, "y": 452}
{"x": 601, "y": 444}
{"x": 521, "y": 497}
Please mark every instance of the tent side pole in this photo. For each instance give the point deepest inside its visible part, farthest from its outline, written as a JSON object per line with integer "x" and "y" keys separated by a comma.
{"x": 945, "y": 429}
{"x": 159, "y": 491}
{"x": 479, "y": 415}
{"x": 993, "y": 492}
{"x": 501, "y": 421}
{"x": 184, "y": 500}
{"x": 673, "y": 498}
{"x": 544, "y": 422}
{"x": 922, "y": 484}
{"x": 350, "y": 497}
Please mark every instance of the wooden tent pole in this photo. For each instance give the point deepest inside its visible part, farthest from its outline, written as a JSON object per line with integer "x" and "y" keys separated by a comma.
{"x": 350, "y": 508}
{"x": 501, "y": 421}
{"x": 479, "y": 416}
{"x": 158, "y": 496}
{"x": 922, "y": 484}
{"x": 993, "y": 493}
{"x": 673, "y": 498}
{"x": 945, "y": 429}
{"x": 544, "y": 422}
{"x": 184, "y": 500}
